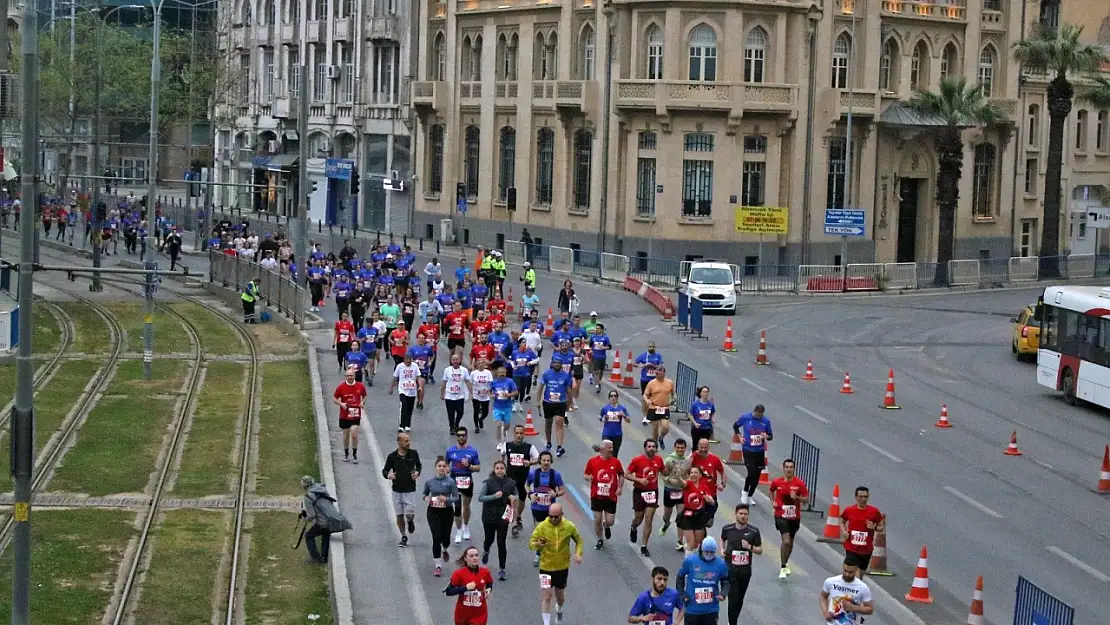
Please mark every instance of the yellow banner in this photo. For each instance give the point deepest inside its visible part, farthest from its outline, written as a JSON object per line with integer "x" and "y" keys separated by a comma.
{"x": 762, "y": 219}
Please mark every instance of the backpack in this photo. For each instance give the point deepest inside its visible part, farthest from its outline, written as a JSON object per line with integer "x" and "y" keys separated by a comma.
{"x": 332, "y": 518}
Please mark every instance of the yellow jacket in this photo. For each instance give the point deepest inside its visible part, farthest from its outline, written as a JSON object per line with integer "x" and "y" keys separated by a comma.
{"x": 555, "y": 553}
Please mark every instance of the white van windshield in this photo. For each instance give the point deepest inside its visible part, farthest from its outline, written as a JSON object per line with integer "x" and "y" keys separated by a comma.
{"x": 711, "y": 275}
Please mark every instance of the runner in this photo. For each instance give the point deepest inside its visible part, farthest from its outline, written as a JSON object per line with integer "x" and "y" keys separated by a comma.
{"x": 647, "y": 362}
{"x": 482, "y": 350}
{"x": 714, "y": 472}
{"x": 606, "y": 477}
{"x": 644, "y": 472}
{"x": 703, "y": 580}
{"x": 858, "y": 526}
{"x": 521, "y": 455}
{"x": 454, "y": 392}
{"x": 613, "y": 417}
{"x": 676, "y": 469}
{"x": 341, "y": 338}
{"x": 465, "y": 462}
{"x": 398, "y": 343}
{"x": 456, "y": 324}
{"x": 659, "y": 605}
{"x": 702, "y": 412}
{"x": 524, "y": 360}
{"x": 551, "y": 539}
{"x": 343, "y": 289}
{"x": 407, "y": 376}
{"x": 498, "y": 500}
{"x": 391, "y": 313}
{"x": 423, "y": 356}
{"x": 441, "y": 495}
{"x": 658, "y": 396}
{"x": 357, "y": 358}
{"x": 845, "y": 599}
{"x": 368, "y": 337}
{"x": 504, "y": 393}
{"x": 472, "y": 584}
{"x": 402, "y": 468}
{"x": 697, "y": 497}
{"x": 754, "y": 430}
{"x": 576, "y": 370}
{"x": 480, "y": 380}
{"x": 738, "y": 542}
{"x": 788, "y": 492}
{"x": 599, "y": 351}
{"x": 350, "y": 396}
{"x": 554, "y": 389}
{"x": 545, "y": 486}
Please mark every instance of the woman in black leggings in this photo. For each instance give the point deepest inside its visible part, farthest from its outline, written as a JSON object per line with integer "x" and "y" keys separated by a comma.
{"x": 498, "y": 495}
{"x": 441, "y": 494}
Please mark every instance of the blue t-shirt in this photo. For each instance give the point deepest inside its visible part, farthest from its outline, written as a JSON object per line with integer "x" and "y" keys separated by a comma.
{"x": 479, "y": 294}
{"x": 315, "y": 275}
{"x": 422, "y": 357}
{"x": 461, "y": 273}
{"x": 613, "y": 419}
{"x": 661, "y": 609}
{"x": 649, "y": 362}
{"x": 556, "y": 386}
{"x": 559, "y": 336}
{"x": 499, "y": 340}
{"x": 521, "y": 358}
{"x": 446, "y": 300}
{"x": 463, "y": 295}
{"x": 544, "y": 484}
{"x": 566, "y": 359}
{"x": 455, "y": 456}
{"x": 505, "y": 387}
{"x": 753, "y": 431}
{"x": 368, "y": 336}
{"x": 701, "y": 414}
{"x": 599, "y": 346}
{"x": 342, "y": 290}
{"x": 703, "y": 583}
{"x": 530, "y": 302}
{"x": 357, "y": 359}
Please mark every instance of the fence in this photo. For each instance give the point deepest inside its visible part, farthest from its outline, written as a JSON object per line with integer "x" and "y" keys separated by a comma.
{"x": 697, "y": 317}
{"x": 807, "y": 460}
{"x": 276, "y": 290}
{"x": 1034, "y": 606}
{"x": 685, "y": 389}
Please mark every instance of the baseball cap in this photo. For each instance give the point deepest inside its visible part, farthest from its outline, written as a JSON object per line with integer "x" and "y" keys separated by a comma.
{"x": 593, "y": 313}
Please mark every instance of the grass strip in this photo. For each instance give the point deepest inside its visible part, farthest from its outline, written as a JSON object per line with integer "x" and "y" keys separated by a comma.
{"x": 287, "y": 429}
{"x": 118, "y": 444}
{"x": 74, "y": 561}
{"x": 169, "y": 336}
{"x": 90, "y": 332}
{"x": 217, "y": 337}
{"x": 277, "y": 339}
{"x": 209, "y": 454}
{"x": 45, "y": 338}
{"x": 52, "y": 404}
{"x": 283, "y": 587}
{"x": 180, "y": 579}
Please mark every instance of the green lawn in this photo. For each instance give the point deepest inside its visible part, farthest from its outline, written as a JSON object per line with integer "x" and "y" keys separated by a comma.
{"x": 91, "y": 334}
{"x": 217, "y": 337}
{"x": 210, "y": 453}
{"x": 169, "y": 336}
{"x": 45, "y": 337}
{"x": 117, "y": 446}
{"x": 287, "y": 433}
{"x": 283, "y": 588}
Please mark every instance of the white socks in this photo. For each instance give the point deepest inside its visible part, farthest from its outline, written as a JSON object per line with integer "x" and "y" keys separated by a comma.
{"x": 546, "y": 618}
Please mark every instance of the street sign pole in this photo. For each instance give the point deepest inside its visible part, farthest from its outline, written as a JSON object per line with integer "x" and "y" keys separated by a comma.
{"x": 848, "y": 145}
{"x": 759, "y": 265}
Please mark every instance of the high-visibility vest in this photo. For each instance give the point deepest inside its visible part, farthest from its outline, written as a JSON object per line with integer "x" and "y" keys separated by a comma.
{"x": 530, "y": 278}
{"x": 250, "y": 292}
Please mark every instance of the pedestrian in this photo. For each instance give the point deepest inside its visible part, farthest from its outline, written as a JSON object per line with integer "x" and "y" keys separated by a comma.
{"x": 441, "y": 495}
{"x": 754, "y": 429}
{"x": 402, "y": 468}
{"x": 173, "y": 242}
{"x": 499, "y": 495}
{"x": 738, "y": 542}
{"x": 568, "y": 300}
{"x": 318, "y": 508}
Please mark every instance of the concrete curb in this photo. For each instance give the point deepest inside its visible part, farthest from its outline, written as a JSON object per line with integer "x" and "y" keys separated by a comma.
{"x": 338, "y": 584}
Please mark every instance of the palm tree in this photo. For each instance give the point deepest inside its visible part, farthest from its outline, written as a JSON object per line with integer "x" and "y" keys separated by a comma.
{"x": 1058, "y": 54}
{"x": 954, "y": 107}
{"x": 1098, "y": 94}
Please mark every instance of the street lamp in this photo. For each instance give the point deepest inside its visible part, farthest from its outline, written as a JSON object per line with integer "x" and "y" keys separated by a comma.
{"x": 813, "y": 17}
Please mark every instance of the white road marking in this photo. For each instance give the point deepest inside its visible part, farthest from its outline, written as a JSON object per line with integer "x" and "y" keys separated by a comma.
{"x": 787, "y": 375}
{"x": 971, "y": 502}
{"x": 725, "y": 362}
{"x": 753, "y": 385}
{"x": 812, "y": 414}
{"x": 1044, "y": 464}
{"x": 875, "y": 448}
{"x": 646, "y": 330}
{"x": 1087, "y": 568}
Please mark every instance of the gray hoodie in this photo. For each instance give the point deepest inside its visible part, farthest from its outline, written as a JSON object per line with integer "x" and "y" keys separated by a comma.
{"x": 442, "y": 486}
{"x": 310, "y": 496}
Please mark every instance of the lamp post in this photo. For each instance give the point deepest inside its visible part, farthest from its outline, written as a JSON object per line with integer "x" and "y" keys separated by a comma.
{"x": 813, "y": 17}
{"x": 155, "y": 87}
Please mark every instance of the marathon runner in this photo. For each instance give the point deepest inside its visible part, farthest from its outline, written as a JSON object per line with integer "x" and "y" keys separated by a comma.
{"x": 644, "y": 472}
{"x": 676, "y": 469}
{"x": 606, "y": 477}
{"x": 613, "y": 417}
{"x": 465, "y": 462}
{"x": 551, "y": 539}
{"x": 658, "y": 396}
{"x": 472, "y": 584}
{"x": 554, "y": 391}
{"x": 521, "y": 456}
{"x": 647, "y": 362}
{"x": 697, "y": 496}
{"x": 454, "y": 392}
{"x": 504, "y": 393}
{"x": 738, "y": 542}
{"x": 545, "y": 486}
{"x": 599, "y": 351}
{"x": 702, "y": 412}
{"x": 406, "y": 375}
{"x": 441, "y": 494}
{"x": 498, "y": 499}
{"x": 659, "y": 605}
{"x": 845, "y": 599}
{"x": 788, "y": 492}
{"x": 350, "y": 396}
{"x": 481, "y": 378}
{"x": 858, "y": 526}
{"x": 755, "y": 431}
{"x": 357, "y": 359}
{"x": 341, "y": 338}
{"x": 402, "y": 468}
{"x": 703, "y": 581}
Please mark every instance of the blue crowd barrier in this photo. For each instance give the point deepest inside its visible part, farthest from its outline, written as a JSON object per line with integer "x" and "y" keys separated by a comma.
{"x": 683, "y": 320}
{"x": 697, "y": 319}
{"x": 685, "y": 389}
{"x": 807, "y": 461}
{"x": 1035, "y": 606}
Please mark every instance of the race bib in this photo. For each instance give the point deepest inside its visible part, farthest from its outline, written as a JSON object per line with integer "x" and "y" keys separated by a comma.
{"x": 703, "y": 595}
{"x": 516, "y": 460}
{"x": 423, "y": 364}
{"x": 507, "y": 516}
{"x": 408, "y": 385}
{"x": 472, "y": 598}
{"x": 521, "y": 362}
{"x": 545, "y": 581}
{"x": 439, "y": 502}
{"x": 658, "y": 622}
{"x": 790, "y": 512}
{"x": 599, "y": 346}
{"x": 705, "y": 414}
{"x": 543, "y": 499}
{"x": 741, "y": 558}
{"x": 454, "y": 388}
{"x": 502, "y": 394}
{"x": 859, "y": 538}
{"x": 481, "y": 394}
{"x": 660, "y": 410}
{"x": 462, "y": 481}
{"x": 603, "y": 489}
{"x": 577, "y": 361}
{"x": 614, "y": 417}
{"x": 354, "y": 412}
{"x": 756, "y": 440}
{"x": 555, "y": 397}
{"x": 398, "y": 342}
{"x": 649, "y": 497}
{"x": 344, "y": 336}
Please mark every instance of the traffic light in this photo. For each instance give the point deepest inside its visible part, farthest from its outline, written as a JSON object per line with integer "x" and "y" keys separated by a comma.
{"x": 315, "y": 185}
{"x": 354, "y": 183}
{"x": 510, "y": 198}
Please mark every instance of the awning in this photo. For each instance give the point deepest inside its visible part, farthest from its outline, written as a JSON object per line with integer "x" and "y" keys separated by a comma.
{"x": 282, "y": 162}
{"x": 900, "y": 114}
{"x": 290, "y": 134}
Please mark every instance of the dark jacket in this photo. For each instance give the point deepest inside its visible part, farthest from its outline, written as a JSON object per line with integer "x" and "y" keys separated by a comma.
{"x": 492, "y": 507}
{"x": 403, "y": 467}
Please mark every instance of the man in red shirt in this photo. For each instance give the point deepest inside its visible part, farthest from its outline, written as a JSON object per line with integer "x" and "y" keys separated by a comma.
{"x": 341, "y": 339}
{"x": 482, "y": 350}
{"x": 456, "y": 328}
{"x": 606, "y": 477}
{"x": 496, "y": 305}
{"x": 430, "y": 329}
{"x": 858, "y": 526}
{"x": 644, "y": 472}
{"x": 480, "y": 326}
{"x": 350, "y": 396}
{"x": 399, "y": 343}
{"x": 472, "y": 584}
{"x": 788, "y": 493}
{"x": 714, "y": 472}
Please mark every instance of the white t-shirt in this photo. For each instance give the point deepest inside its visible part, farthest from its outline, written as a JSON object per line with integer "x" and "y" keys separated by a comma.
{"x": 455, "y": 382}
{"x": 532, "y": 339}
{"x": 838, "y": 590}
{"x": 380, "y": 326}
{"x": 479, "y": 384}
{"x": 269, "y": 262}
{"x": 406, "y": 376}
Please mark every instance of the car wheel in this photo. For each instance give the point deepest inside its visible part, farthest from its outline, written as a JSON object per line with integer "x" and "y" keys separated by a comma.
{"x": 1013, "y": 348}
{"x": 1067, "y": 385}
{"x": 732, "y": 313}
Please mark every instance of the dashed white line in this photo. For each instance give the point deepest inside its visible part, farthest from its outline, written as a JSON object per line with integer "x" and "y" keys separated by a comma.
{"x": 812, "y": 414}
{"x": 971, "y": 502}
{"x": 1045, "y": 464}
{"x": 725, "y": 362}
{"x": 787, "y": 375}
{"x": 1081, "y": 565}
{"x": 879, "y": 450}
{"x": 753, "y": 385}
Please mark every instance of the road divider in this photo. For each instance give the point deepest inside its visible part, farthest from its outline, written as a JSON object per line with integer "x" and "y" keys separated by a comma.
{"x": 1012, "y": 448}
{"x": 889, "y": 402}
{"x": 944, "y": 422}
{"x": 761, "y": 354}
{"x": 846, "y": 388}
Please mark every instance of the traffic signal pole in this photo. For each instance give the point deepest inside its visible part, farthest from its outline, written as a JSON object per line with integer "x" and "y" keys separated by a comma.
{"x": 300, "y": 250}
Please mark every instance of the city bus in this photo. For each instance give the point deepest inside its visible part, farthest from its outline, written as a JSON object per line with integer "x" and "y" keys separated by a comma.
{"x": 1074, "y": 352}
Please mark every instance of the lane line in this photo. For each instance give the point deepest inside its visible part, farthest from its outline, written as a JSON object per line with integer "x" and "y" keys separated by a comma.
{"x": 582, "y": 503}
{"x": 1044, "y": 464}
{"x": 879, "y": 450}
{"x": 971, "y": 502}
{"x": 725, "y": 362}
{"x": 753, "y": 385}
{"x": 812, "y": 414}
{"x": 787, "y": 375}
{"x": 1081, "y": 565}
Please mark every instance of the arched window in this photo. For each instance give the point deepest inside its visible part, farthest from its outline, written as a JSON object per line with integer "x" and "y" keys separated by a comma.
{"x": 949, "y": 62}
{"x": 588, "y": 54}
{"x": 583, "y": 157}
{"x": 437, "y": 64}
{"x": 703, "y": 54}
{"x": 466, "y": 55}
{"x": 268, "y": 15}
{"x": 755, "y": 54}
{"x": 888, "y": 66}
{"x": 545, "y": 165}
{"x": 841, "y": 58}
{"x": 472, "y": 160}
{"x": 476, "y": 60}
{"x": 1081, "y": 130}
{"x": 545, "y": 57}
{"x": 506, "y": 171}
{"x": 245, "y": 16}
{"x": 1101, "y": 131}
{"x": 435, "y": 158}
{"x": 1033, "y": 126}
{"x": 511, "y": 57}
{"x": 919, "y": 67}
{"x": 986, "y": 71}
{"x": 655, "y": 53}
{"x": 982, "y": 181}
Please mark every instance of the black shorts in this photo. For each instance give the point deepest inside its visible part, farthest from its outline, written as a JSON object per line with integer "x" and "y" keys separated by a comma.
{"x": 597, "y": 365}
{"x": 692, "y": 519}
{"x": 654, "y": 416}
{"x": 380, "y": 343}
{"x": 452, "y": 344}
{"x": 603, "y": 504}
{"x": 641, "y": 503}
{"x": 558, "y": 578}
{"x": 550, "y": 411}
{"x": 521, "y": 491}
{"x": 538, "y": 516}
{"x": 576, "y": 372}
{"x": 643, "y": 386}
{"x": 702, "y": 619}
{"x": 861, "y": 560}
{"x": 672, "y": 498}
{"x": 789, "y": 526}
{"x": 467, "y": 492}
{"x": 349, "y": 423}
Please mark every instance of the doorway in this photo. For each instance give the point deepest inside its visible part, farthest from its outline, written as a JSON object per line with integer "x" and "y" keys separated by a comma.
{"x": 908, "y": 189}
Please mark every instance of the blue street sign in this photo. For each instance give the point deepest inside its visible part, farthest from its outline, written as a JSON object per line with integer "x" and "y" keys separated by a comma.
{"x": 845, "y": 222}
{"x": 462, "y": 205}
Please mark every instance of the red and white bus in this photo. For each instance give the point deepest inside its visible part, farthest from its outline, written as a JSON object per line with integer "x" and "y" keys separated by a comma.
{"x": 1074, "y": 353}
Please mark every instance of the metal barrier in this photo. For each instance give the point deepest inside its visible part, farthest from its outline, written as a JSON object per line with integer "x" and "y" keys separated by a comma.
{"x": 1080, "y": 266}
{"x": 514, "y": 253}
{"x": 900, "y": 276}
{"x": 697, "y": 319}
{"x": 807, "y": 460}
{"x": 685, "y": 390}
{"x": 1023, "y": 268}
{"x": 655, "y": 271}
{"x": 1034, "y": 606}
{"x": 821, "y": 278}
{"x": 587, "y": 264}
{"x": 683, "y": 320}
{"x": 863, "y": 277}
{"x": 275, "y": 289}
{"x": 993, "y": 271}
{"x": 769, "y": 278}
{"x": 614, "y": 267}
{"x": 963, "y": 272}
{"x": 560, "y": 259}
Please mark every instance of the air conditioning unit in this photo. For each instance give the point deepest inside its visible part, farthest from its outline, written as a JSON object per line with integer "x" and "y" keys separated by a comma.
{"x": 334, "y": 72}
{"x": 273, "y": 146}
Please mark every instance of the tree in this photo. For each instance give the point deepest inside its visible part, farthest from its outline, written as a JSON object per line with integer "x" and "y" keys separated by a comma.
{"x": 955, "y": 106}
{"x": 1060, "y": 55}
{"x": 1098, "y": 94}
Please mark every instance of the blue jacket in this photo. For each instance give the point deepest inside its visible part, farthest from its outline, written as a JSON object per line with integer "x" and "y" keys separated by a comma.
{"x": 754, "y": 431}
{"x": 701, "y": 581}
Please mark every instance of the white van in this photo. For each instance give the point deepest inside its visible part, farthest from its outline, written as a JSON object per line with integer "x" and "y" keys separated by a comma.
{"x": 714, "y": 283}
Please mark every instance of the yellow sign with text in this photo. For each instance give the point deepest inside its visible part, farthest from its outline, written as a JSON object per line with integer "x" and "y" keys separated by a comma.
{"x": 762, "y": 219}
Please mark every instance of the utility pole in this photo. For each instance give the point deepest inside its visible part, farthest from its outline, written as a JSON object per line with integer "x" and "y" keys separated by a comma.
{"x": 301, "y": 245}
{"x": 848, "y": 147}
{"x": 152, "y": 173}
{"x": 148, "y": 321}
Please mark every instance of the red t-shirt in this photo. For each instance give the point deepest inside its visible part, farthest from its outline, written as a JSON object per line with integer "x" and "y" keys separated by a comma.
{"x": 478, "y": 328}
{"x": 694, "y": 494}
{"x": 398, "y": 342}
{"x": 644, "y": 467}
{"x": 471, "y": 605}
{"x": 429, "y": 330}
{"x": 605, "y": 474}
{"x": 497, "y": 306}
{"x": 352, "y": 396}
{"x": 860, "y": 539}
{"x": 483, "y": 350}
{"x": 711, "y": 468}
{"x": 456, "y": 325}
{"x": 780, "y": 488}
{"x": 496, "y": 318}
{"x": 344, "y": 331}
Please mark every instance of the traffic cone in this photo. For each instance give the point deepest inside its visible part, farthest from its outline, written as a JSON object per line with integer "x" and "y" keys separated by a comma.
{"x": 550, "y": 328}
{"x": 919, "y": 590}
{"x": 809, "y": 377}
{"x": 509, "y": 307}
{"x": 764, "y": 476}
{"x": 944, "y": 422}
{"x": 1104, "y": 475}
{"x": 668, "y": 311}
{"x": 877, "y": 565}
{"x": 629, "y": 380}
{"x": 530, "y": 425}
{"x": 728, "y": 346}
{"x": 761, "y": 355}
{"x": 888, "y": 400}
{"x": 736, "y": 450}
{"x": 1012, "y": 448}
{"x": 846, "y": 388}
{"x": 975, "y": 614}
{"x": 615, "y": 375}
{"x": 832, "y": 519}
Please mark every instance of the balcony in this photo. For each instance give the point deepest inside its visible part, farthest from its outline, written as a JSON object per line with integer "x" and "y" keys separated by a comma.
{"x": 861, "y": 103}
{"x": 993, "y": 21}
{"x": 1008, "y": 107}
{"x": 383, "y": 28}
{"x": 285, "y": 108}
{"x": 314, "y": 31}
{"x": 706, "y": 96}
{"x": 289, "y": 32}
{"x": 429, "y": 95}
{"x": 576, "y": 96}
{"x": 264, "y": 34}
{"x": 768, "y": 97}
{"x": 9, "y": 96}
{"x": 937, "y": 11}
{"x": 543, "y": 90}
{"x": 343, "y": 30}
{"x": 506, "y": 92}
{"x": 345, "y": 113}
{"x": 470, "y": 93}
{"x": 320, "y": 113}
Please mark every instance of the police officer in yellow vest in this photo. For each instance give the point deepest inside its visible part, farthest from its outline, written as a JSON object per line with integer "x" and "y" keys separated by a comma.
{"x": 498, "y": 266}
{"x": 485, "y": 271}
{"x": 529, "y": 277}
{"x": 250, "y": 296}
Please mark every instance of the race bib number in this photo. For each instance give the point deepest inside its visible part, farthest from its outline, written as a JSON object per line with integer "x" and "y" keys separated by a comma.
{"x": 603, "y": 489}
{"x": 650, "y": 496}
{"x": 614, "y": 417}
{"x": 660, "y": 410}
{"x": 454, "y": 388}
{"x": 423, "y": 364}
{"x": 516, "y": 460}
{"x": 481, "y": 394}
{"x": 502, "y": 394}
{"x": 354, "y": 412}
{"x": 399, "y": 342}
{"x": 703, "y": 595}
{"x": 543, "y": 499}
{"x": 408, "y": 385}
{"x": 599, "y": 346}
{"x": 859, "y": 538}
{"x": 344, "y": 336}
{"x": 472, "y": 598}
{"x": 705, "y": 414}
{"x": 756, "y": 440}
{"x": 545, "y": 581}
{"x": 462, "y": 481}
{"x": 658, "y": 622}
{"x": 577, "y": 361}
{"x": 790, "y": 512}
{"x": 521, "y": 362}
{"x": 439, "y": 502}
{"x": 507, "y": 516}
{"x": 741, "y": 558}
{"x": 555, "y": 397}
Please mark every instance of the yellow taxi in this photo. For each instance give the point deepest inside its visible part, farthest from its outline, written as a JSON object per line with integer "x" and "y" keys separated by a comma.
{"x": 1027, "y": 334}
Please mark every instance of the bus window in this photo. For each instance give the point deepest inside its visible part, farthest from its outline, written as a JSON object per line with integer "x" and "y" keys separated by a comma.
{"x": 1050, "y": 327}
{"x": 1067, "y": 337}
{"x": 1038, "y": 310}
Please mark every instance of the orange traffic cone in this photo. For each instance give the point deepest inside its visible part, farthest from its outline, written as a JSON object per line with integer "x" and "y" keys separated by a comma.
{"x": 530, "y": 425}
{"x": 1104, "y": 475}
{"x": 1012, "y": 448}
{"x": 736, "y": 450}
{"x": 550, "y": 328}
{"x": 832, "y": 519}
{"x": 975, "y": 614}
{"x": 846, "y": 388}
{"x": 809, "y": 377}
{"x": 761, "y": 355}
{"x": 944, "y": 422}
{"x": 668, "y": 310}
{"x": 615, "y": 375}
{"x": 629, "y": 380}
{"x": 728, "y": 346}
{"x": 764, "y": 476}
{"x": 878, "y": 565}
{"x": 509, "y": 303}
{"x": 888, "y": 400}
{"x": 919, "y": 590}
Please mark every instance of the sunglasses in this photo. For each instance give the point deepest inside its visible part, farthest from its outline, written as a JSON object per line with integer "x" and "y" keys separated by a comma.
{"x": 460, "y": 436}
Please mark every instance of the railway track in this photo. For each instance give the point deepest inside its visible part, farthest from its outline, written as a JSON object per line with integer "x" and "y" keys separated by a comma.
{"x": 46, "y": 371}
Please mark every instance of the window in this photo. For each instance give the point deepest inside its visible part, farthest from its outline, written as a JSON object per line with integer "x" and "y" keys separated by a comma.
{"x": 347, "y": 84}
{"x": 244, "y": 78}
{"x": 646, "y": 140}
{"x": 1101, "y": 126}
{"x": 992, "y": 5}
{"x": 919, "y": 67}
{"x": 1050, "y": 14}
{"x": 703, "y": 54}
{"x": 506, "y": 171}
{"x": 385, "y": 72}
{"x": 320, "y": 82}
{"x": 476, "y": 59}
{"x": 545, "y": 58}
{"x": 437, "y": 66}
{"x": 1030, "y": 176}
{"x": 267, "y": 14}
{"x": 949, "y": 64}
{"x": 655, "y": 53}
{"x": 321, "y": 10}
{"x": 888, "y": 65}
{"x": 645, "y": 187}
{"x": 1081, "y": 130}
{"x": 510, "y": 59}
{"x": 838, "y": 166}
{"x": 755, "y": 144}
{"x": 245, "y": 15}
{"x": 755, "y": 54}
{"x": 697, "y": 176}
{"x": 268, "y": 77}
{"x": 986, "y": 71}
{"x": 842, "y": 52}
{"x": 982, "y": 182}
{"x": 348, "y": 8}
{"x": 1028, "y": 231}
{"x": 1033, "y": 126}
{"x": 293, "y": 69}
{"x": 471, "y": 160}
{"x": 751, "y": 183}
{"x": 586, "y": 71}
{"x": 697, "y": 142}
{"x": 583, "y": 157}
{"x": 435, "y": 158}
{"x": 545, "y": 165}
